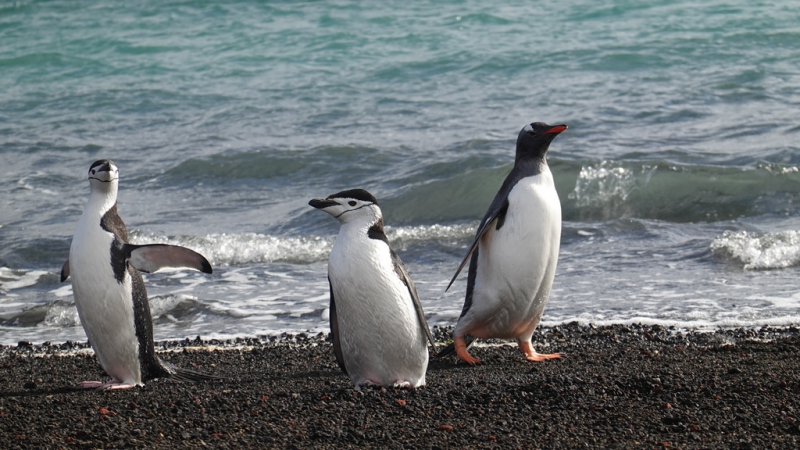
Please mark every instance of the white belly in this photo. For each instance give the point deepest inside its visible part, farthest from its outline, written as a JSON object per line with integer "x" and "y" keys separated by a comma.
{"x": 516, "y": 264}
{"x": 381, "y": 338}
{"x": 105, "y": 307}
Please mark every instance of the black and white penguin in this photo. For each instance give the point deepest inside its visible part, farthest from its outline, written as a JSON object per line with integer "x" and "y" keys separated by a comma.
{"x": 380, "y": 335}
{"x": 109, "y": 290}
{"x": 514, "y": 255}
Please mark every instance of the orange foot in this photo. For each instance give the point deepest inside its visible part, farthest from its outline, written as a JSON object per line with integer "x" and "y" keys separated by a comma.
{"x": 531, "y": 355}
{"x": 461, "y": 350}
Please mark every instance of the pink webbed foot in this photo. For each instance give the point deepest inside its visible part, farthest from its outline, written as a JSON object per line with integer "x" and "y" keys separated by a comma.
{"x": 531, "y": 355}
{"x": 90, "y": 384}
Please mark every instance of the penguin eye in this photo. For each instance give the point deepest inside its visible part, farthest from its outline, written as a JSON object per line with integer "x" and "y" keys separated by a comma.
{"x": 92, "y": 171}
{"x": 351, "y": 203}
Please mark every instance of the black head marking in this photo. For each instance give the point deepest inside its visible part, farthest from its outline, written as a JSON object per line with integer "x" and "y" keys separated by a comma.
{"x": 534, "y": 139}
{"x": 101, "y": 165}
{"x": 357, "y": 194}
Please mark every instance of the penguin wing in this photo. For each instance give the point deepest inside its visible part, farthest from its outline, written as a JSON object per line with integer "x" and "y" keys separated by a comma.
{"x": 337, "y": 345}
{"x": 402, "y": 273}
{"x": 500, "y": 215}
{"x": 65, "y": 271}
{"x": 497, "y": 210}
{"x": 154, "y": 257}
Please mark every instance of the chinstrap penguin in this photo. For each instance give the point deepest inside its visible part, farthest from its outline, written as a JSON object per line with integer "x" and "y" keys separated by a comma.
{"x": 109, "y": 291}
{"x": 512, "y": 260}
{"x": 379, "y": 330}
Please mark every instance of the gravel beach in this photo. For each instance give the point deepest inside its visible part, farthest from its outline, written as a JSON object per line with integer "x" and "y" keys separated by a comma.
{"x": 623, "y": 386}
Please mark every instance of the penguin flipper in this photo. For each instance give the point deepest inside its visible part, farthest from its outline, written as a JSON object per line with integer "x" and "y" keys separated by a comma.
{"x": 400, "y": 270}
{"x": 154, "y": 257}
{"x": 65, "y": 271}
{"x": 498, "y": 213}
{"x": 337, "y": 345}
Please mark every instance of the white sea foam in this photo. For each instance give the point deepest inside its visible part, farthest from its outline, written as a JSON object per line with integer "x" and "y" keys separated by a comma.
{"x": 760, "y": 251}
{"x": 249, "y": 248}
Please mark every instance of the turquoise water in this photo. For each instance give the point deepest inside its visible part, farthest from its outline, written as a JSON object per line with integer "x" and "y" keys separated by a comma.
{"x": 679, "y": 175}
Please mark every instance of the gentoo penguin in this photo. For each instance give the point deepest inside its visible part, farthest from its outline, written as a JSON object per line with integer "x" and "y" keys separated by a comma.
{"x": 379, "y": 331}
{"x": 109, "y": 290}
{"x": 513, "y": 258}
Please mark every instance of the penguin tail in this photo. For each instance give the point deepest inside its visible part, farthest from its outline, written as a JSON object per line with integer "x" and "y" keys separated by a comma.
{"x": 450, "y": 350}
{"x": 187, "y": 375}
{"x": 191, "y": 376}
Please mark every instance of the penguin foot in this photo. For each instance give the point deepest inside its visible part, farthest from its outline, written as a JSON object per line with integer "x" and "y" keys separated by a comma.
{"x": 89, "y": 384}
{"x": 461, "y": 350}
{"x": 402, "y": 385}
{"x": 531, "y": 355}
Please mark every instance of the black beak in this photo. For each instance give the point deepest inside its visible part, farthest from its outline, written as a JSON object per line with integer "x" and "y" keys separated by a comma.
{"x": 321, "y": 203}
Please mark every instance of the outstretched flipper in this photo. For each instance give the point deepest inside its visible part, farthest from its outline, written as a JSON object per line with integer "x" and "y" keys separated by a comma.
{"x": 151, "y": 258}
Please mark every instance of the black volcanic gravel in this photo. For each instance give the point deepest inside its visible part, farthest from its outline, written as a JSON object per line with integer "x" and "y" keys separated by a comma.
{"x": 617, "y": 387}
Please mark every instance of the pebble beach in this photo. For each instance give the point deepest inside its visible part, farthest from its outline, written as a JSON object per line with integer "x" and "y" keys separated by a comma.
{"x": 621, "y": 386}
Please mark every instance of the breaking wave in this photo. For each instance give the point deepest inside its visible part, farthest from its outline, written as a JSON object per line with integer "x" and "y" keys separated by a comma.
{"x": 248, "y": 248}
{"x": 759, "y": 251}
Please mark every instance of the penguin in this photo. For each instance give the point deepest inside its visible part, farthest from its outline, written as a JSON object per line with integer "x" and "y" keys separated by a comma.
{"x": 109, "y": 291}
{"x": 379, "y": 330}
{"x": 512, "y": 260}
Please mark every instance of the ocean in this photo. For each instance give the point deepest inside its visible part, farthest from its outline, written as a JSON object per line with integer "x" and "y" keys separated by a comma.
{"x": 679, "y": 175}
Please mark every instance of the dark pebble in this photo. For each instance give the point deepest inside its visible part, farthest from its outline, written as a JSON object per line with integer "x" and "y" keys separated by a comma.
{"x": 632, "y": 386}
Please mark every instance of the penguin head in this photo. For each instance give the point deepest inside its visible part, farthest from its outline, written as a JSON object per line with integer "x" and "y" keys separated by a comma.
{"x": 534, "y": 139}
{"x": 348, "y": 206}
{"x": 103, "y": 174}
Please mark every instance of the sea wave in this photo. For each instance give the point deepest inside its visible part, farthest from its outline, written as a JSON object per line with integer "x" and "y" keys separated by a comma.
{"x": 246, "y": 248}
{"x": 660, "y": 190}
{"x": 759, "y": 251}
{"x": 249, "y": 248}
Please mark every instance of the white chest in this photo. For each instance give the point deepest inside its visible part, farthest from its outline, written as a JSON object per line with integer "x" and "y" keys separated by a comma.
{"x": 105, "y": 306}
{"x": 381, "y": 337}
{"x": 516, "y": 264}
